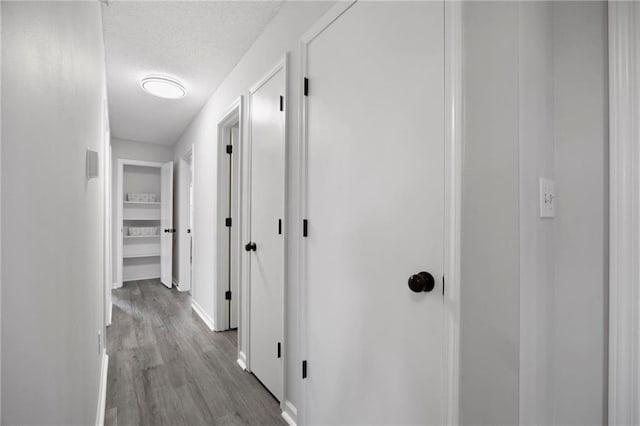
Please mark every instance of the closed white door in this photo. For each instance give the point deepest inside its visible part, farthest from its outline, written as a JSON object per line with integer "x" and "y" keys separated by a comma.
{"x": 375, "y": 192}
{"x": 267, "y": 212}
{"x": 166, "y": 223}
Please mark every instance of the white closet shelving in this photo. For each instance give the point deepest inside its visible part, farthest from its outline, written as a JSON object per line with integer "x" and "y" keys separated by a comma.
{"x": 146, "y": 225}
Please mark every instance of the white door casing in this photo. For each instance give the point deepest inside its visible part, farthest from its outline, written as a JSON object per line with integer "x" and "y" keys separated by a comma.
{"x": 233, "y": 240}
{"x": 375, "y": 203}
{"x": 267, "y": 141}
{"x": 166, "y": 223}
{"x": 184, "y": 231}
{"x": 624, "y": 214}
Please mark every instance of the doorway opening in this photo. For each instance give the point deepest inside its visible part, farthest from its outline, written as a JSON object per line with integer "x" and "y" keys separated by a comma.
{"x": 228, "y": 226}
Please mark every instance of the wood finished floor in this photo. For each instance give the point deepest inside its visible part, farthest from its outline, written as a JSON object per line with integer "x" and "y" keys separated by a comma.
{"x": 167, "y": 368}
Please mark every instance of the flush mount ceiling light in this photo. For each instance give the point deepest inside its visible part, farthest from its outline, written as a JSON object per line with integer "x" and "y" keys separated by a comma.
{"x": 163, "y": 87}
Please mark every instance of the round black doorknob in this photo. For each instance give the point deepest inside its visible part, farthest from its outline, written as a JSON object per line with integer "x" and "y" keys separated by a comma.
{"x": 422, "y": 281}
{"x": 250, "y": 246}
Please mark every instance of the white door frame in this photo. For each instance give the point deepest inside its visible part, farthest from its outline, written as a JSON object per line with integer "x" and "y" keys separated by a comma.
{"x": 624, "y": 214}
{"x": 120, "y": 210}
{"x": 108, "y": 243}
{"x": 231, "y": 117}
{"x": 282, "y": 65}
{"x": 108, "y": 212}
{"x": 453, "y": 192}
{"x": 185, "y": 174}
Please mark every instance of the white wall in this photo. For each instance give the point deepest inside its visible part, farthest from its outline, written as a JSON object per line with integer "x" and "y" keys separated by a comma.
{"x": 52, "y": 250}
{"x": 489, "y": 345}
{"x": 536, "y": 106}
{"x": 132, "y": 150}
{"x": 281, "y": 35}
{"x": 536, "y": 243}
{"x": 580, "y": 290}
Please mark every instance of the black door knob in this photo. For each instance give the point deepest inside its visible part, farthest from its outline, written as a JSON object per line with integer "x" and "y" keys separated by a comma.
{"x": 422, "y": 281}
{"x": 250, "y": 246}
{"x": 166, "y": 230}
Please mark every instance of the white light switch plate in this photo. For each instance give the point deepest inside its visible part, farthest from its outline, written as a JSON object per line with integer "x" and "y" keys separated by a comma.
{"x": 547, "y": 198}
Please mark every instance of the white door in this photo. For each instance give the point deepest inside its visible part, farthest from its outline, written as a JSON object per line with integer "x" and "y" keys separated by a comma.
{"x": 375, "y": 215}
{"x": 166, "y": 223}
{"x": 267, "y": 209}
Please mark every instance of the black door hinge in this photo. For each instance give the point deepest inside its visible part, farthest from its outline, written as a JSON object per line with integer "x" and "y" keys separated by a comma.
{"x": 281, "y": 103}
{"x": 279, "y": 226}
{"x": 279, "y": 350}
{"x": 304, "y": 369}
{"x": 306, "y": 86}
{"x": 443, "y": 285}
{"x": 227, "y": 222}
{"x": 305, "y": 228}
{"x": 229, "y": 149}
{"x": 227, "y": 295}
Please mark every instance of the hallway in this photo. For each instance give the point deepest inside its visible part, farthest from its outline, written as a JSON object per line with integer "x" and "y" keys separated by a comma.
{"x": 166, "y": 367}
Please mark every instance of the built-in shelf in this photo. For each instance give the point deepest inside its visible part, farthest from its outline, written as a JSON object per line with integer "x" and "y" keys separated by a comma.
{"x": 137, "y": 256}
{"x": 142, "y": 218}
{"x": 126, "y": 237}
{"x": 150, "y": 203}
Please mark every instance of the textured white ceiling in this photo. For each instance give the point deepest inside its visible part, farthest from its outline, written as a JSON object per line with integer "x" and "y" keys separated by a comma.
{"x": 197, "y": 42}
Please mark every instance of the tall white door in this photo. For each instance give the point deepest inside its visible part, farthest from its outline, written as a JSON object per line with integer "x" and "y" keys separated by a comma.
{"x": 166, "y": 223}
{"x": 375, "y": 193}
{"x": 267, "y": 211}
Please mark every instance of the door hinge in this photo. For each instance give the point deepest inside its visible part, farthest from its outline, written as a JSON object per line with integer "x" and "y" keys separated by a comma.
{"x": 279, "y": 226}
{"x": 229, "y": 149}
{"x": 279, "y": 350}
{"x": 306, "y": 86}
{"x": 281, "y": 103}
{"x": 227, "y": 222}
{"x": 443, "y": 285}
{"x": 227, "y": 295}
{"x": 305, "y": 228}
{"x": 304, "y": 369}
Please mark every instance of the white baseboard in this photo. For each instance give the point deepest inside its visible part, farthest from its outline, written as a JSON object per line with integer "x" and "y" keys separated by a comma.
{"x": 242, "y": 360}
{"x": 102, "y": 390}
{"x": 290, "y": 413}
{"x": 116, "y": 285}
{"x": 203, "y": 315}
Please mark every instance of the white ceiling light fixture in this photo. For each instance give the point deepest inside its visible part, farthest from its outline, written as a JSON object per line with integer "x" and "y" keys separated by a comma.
{"x": 163, "y": 87}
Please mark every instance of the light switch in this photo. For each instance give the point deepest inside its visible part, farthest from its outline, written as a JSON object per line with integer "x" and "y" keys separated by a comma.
{"x": 92, "y": 164}
{"x": 547, "y": 198}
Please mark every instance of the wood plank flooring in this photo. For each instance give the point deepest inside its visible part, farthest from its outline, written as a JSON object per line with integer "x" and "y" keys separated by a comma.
{"x": 167, "y": 368}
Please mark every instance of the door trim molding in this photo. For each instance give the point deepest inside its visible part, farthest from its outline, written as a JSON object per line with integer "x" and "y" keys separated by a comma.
{"x": 624, "y": 214}
{"x": 453, "y": 209}
{"x": 183, "y": 196}
{"x": 281, "y": 65}
{"x": 453, "y": 195}
{"x": 233, "y": 114}
{"x": 121, "y": 162}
